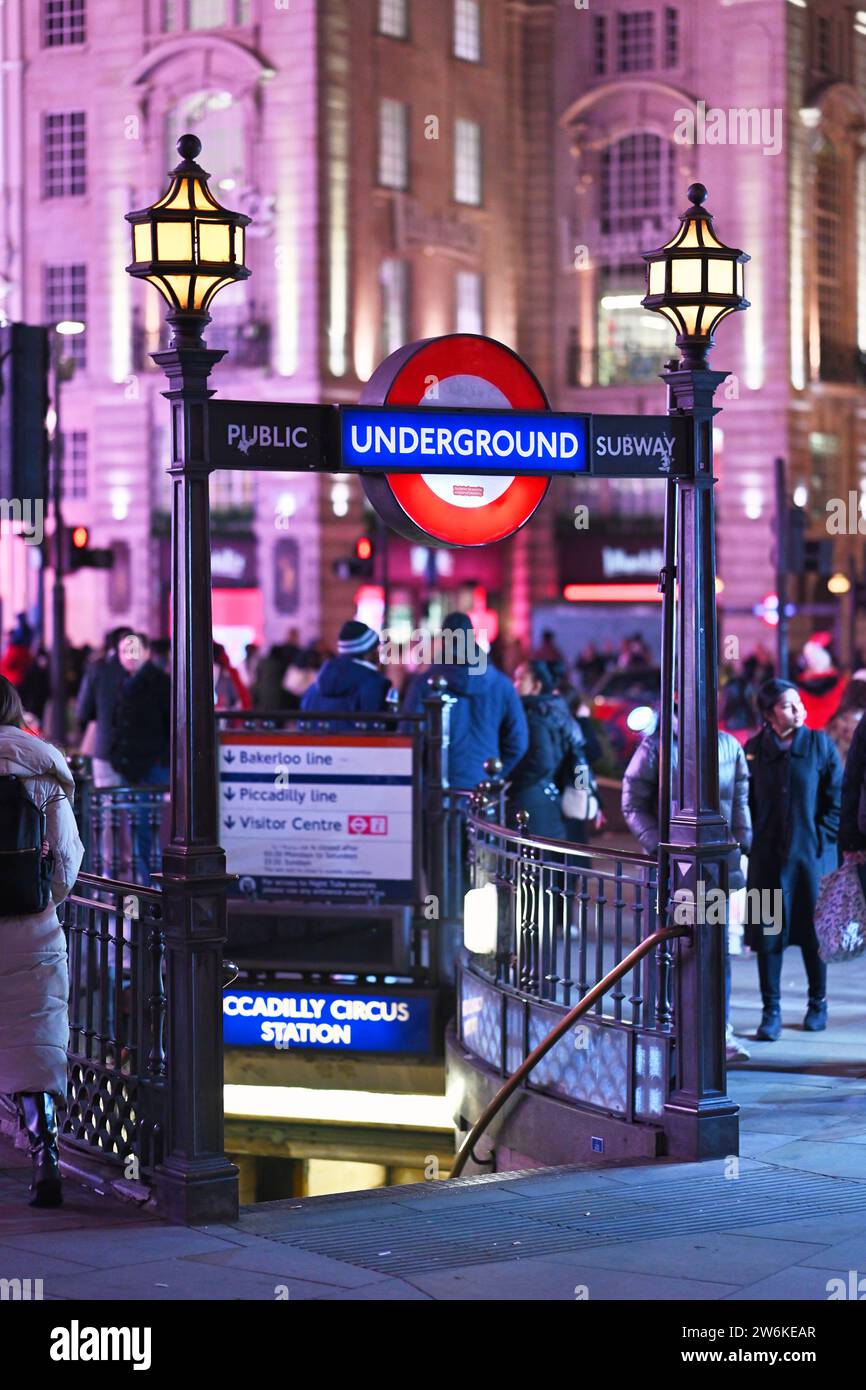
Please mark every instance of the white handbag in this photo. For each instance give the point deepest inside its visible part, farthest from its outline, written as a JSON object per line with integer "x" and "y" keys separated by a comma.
{"x": 579, "y": 801}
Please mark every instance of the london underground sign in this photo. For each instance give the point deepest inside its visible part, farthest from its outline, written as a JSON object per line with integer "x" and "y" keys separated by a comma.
{"x": 457, "y": 508}
{"x": 454, "y": 440}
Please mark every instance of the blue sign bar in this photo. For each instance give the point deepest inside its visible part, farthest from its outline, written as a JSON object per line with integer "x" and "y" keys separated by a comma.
{"x": 335, "y": 1022}
{"x": 391, "y": 439}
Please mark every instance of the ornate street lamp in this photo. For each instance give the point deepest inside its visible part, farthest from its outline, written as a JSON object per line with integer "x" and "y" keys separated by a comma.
{"x": 188, "y": 246}
{"x": 695, "y": 281}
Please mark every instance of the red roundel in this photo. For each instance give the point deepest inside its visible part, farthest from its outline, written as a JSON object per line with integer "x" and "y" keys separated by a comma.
{"x": 460, "y": 369}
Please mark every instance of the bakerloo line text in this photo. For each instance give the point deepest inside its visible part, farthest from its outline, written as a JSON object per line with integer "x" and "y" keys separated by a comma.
{"x": 300, "y": 1019}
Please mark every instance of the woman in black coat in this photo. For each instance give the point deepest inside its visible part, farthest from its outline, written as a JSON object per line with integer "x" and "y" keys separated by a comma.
{"x": 794, "y": 794}
{"x": 553, "y": 737}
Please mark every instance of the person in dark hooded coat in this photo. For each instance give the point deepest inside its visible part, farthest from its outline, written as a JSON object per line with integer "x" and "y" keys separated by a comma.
{"x": 352, "y": 681}
{"x": 794, "y": 795}
{"x": 486, "y": 719}
{"x": 555, "y": 740}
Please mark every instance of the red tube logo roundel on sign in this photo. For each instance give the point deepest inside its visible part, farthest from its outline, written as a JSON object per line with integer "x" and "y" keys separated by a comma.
{"x": 458, "y": 370}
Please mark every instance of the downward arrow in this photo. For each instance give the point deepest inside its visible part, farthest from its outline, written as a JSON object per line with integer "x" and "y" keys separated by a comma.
{"x": 229, "y": 794}
{"x": 230, "y": 757}
{"x": 229, "y": 823}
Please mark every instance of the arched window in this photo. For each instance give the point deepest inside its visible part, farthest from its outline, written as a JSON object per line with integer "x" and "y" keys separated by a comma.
{"x": 636, "y": 193}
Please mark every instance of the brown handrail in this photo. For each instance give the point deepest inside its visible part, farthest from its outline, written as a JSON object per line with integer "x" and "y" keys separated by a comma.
{"x": 562, "y": 1027}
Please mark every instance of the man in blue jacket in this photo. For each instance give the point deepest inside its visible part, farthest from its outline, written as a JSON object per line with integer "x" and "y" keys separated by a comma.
{"x": 487, "y": 720}
{"x": 352, "y": 681}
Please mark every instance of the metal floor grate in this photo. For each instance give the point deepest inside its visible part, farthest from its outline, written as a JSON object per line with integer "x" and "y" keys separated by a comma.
{"x": 415, "y": 1241}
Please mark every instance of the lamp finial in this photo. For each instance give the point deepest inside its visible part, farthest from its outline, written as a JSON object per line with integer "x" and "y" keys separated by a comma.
{"x": 697, "y": 193}
{"x": 189, "y": 147}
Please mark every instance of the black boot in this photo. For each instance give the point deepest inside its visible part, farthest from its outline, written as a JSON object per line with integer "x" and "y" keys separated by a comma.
{"x": 770, "y": 1026}
{"x": 816, "y": 1016}
{"x": 40, "y": 1121}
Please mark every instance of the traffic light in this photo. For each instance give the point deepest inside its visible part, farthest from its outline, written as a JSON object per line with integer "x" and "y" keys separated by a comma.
{"x": 361, "y": 565}
{"x": 24, "y": 359}
{"x": 803, "y": 556}
{"x": 78, "y": 553}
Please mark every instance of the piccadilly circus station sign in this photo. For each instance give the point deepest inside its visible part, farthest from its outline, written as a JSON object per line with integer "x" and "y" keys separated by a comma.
{"x": 453, "y": 438}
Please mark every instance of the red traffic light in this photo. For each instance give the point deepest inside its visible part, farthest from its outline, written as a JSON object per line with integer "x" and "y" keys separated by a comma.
{"x": 80, "y": 537}
{"x": 364, "y": 548}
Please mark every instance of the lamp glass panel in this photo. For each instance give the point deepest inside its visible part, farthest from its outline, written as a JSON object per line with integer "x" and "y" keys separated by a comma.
{"x": 686, "y": 276}
{"x": 690, "y": 314}
{"x": 710, "y": 238}
{"x": 214, "y": 242}
{"x": 239, "y": 245}
{"x": 155, "y": 280}
{"x": 657, "y": 277}
{"x": 691, "y": 240}
{"x": 712, "y": 324}
{"x": 671, "y": 315}
{"x": 720, "y": 276}
{"x": 174, "y": 241}
{"x": 177, "y": 197}
{"x": 201, "y": 198}
{"x": 141, "y": 242}
{"x": 203, "y": 285}
{"x": 180, "y": 284}
{"x": 740, "y": 283}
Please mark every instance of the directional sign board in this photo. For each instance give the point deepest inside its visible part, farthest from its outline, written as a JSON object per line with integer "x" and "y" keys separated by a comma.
{"x": 273, "y": 436}
{"x": 640, "y": 446}
{"x": 318, "y": 816}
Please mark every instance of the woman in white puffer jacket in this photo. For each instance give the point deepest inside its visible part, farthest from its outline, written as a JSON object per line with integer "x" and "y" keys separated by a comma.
{"x": 34, "y": 979}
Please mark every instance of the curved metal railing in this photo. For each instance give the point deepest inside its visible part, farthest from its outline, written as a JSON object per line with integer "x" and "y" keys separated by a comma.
{"x": 491, "y": 1110}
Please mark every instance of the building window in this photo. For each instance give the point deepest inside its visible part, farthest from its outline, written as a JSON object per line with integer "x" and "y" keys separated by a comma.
{"x": 393, "y": 144}
{"x": 64, "y": 154}
{"x": 63, "y": 22}
{"x": 74, "y": 479}
{"x": 394, "y": 281}
{"x": 394, "y": 18}
{"x": 467, "y": 30}
{"x": 637, "y": 185}
{"x": 672, "y": 37}
{"x": 635, "y": 34}
{"x": 632, "y": 344}
{"x": 203, "y": 14}
{"x": 470, "y": 302}
{"x": 824, "y": 44}
{"x": 65, "y": 297}
{"x": 467, "y": 163}
{"x": 599, "y": 35}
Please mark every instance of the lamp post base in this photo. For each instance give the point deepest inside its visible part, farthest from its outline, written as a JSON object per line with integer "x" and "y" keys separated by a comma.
{"x": 197, "y": 1195}
{"x": 711, "y": 1131}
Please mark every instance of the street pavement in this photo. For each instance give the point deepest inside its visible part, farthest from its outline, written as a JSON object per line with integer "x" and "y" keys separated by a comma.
{"x": 782, "y": 1221}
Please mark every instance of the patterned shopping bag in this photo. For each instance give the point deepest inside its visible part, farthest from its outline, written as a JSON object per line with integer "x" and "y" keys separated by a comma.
{"x": 840, "y": 915}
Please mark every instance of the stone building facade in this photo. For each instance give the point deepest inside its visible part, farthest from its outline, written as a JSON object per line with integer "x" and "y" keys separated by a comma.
{"x": 376, "y": 145}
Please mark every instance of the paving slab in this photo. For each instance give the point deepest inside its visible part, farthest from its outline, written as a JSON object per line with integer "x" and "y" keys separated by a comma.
{"x": 564, "y": 1279}
{"x": 101, "y": 1249}
{"x": 171, "y": 1280}
{"x": 722, "y": 1258}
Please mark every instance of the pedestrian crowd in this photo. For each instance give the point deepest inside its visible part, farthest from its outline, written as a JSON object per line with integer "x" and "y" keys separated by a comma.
{"x": 796, "y": 820}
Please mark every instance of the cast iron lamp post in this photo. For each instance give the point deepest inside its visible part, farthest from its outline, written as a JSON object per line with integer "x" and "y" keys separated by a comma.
{"x": 190, "y": 248}
{"x": 695, "y": 281}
